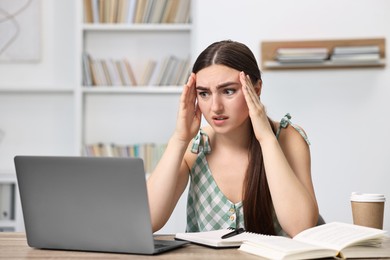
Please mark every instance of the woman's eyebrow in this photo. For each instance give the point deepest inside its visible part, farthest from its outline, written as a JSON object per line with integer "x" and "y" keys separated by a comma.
{"x": 201, "y": 88}
{"x": 227, "y": 84}
{"x": 219, "y": 86}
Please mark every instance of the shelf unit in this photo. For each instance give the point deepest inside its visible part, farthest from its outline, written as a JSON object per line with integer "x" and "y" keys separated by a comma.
{"x": 57, "y": 116}
{"x": 111, "y": 114}
{"x": 268, "y": 52}
{"x": 126, "y": 115}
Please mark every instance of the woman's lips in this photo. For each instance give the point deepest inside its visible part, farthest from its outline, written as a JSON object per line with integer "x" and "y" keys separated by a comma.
{"x": 219, "y": 120}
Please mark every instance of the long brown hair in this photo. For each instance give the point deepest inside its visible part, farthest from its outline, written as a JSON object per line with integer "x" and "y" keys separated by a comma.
{"x": 257, "y": 202}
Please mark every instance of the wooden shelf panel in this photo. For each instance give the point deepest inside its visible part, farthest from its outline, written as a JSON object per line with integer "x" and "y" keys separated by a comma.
{"x": 268, "y": 51}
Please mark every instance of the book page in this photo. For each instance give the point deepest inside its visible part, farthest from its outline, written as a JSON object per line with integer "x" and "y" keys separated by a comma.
{"x": 340, "y": 235}
{"x": 282, "y": 244}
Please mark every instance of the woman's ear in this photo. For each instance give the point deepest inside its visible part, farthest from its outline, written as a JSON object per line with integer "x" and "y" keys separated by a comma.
{"x": 258, "y": 87}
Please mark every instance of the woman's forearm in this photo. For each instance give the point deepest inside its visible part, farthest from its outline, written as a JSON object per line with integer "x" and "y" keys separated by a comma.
{"x": 293, "y": 198}
{"x": 167, "y": 182}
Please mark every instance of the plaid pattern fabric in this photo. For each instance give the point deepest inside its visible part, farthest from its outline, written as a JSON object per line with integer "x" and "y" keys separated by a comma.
{"x": 285, "y": 122}
{"x": 207, "y": 207}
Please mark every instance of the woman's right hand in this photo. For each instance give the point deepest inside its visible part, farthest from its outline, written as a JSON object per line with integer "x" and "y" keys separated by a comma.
{"x": 189, "y": 115}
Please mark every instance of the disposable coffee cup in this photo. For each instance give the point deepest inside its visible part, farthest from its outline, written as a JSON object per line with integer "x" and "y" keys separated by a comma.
{"x": 368, "y": 209}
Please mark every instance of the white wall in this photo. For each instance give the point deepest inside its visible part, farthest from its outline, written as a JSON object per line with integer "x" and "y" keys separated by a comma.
{"x": 344, "y": 111}
{"x": 56, "y": 67}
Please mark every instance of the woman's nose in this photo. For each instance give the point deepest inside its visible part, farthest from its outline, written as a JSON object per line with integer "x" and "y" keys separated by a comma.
{"x": 217, "y": 105}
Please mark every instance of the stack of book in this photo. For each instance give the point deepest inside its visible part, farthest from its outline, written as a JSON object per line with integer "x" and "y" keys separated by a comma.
{"x": 137, "y": 11}
{"x": 107, "y": 72}
{"x": 149, "y": 152}
{"x": 301, "y": 55}
{"x": 356, "y": 54}
{"x": 171, "y": 71}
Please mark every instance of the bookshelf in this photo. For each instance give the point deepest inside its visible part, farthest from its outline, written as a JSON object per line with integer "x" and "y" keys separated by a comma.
{"x": 133, "y": 114}
{"x": 269, "y": 50}
{"x": 56, "y": 114}
{"x": 108, "y": 113}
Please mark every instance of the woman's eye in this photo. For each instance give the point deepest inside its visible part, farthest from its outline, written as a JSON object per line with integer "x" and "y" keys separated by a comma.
{"x": 230, "y": 91}
{"x": 203, "y": 94}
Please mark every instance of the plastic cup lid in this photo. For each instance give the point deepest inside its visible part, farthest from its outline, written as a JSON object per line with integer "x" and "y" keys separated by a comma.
{"x": 367, "y": 197}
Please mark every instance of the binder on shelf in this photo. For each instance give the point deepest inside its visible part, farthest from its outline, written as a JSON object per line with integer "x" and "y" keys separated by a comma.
{"x": 87, "y": 75}
{"x": 7, "y": 201}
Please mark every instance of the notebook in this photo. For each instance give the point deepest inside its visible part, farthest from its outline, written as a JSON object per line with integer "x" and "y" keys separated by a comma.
{"x": 215, "y": 238}
{"x": 87, "y": 204}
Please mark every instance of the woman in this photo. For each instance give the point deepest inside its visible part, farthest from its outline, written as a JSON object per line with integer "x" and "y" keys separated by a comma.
{"x": 245, "y": 169}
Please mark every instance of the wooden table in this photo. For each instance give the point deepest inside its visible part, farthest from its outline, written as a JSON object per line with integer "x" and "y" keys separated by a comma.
{"x": 14, "y": 246}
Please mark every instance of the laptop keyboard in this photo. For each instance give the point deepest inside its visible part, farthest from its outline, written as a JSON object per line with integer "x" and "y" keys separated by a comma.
{"x": 159, "y": 245}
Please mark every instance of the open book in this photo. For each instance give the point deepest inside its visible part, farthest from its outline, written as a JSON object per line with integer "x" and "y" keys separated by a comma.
{"x": 328, "y": 240}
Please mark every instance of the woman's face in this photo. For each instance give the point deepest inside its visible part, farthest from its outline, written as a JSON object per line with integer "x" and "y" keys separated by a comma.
{"x": 221, "y": 99}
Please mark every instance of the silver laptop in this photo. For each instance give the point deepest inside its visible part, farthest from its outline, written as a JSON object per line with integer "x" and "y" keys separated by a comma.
{"x": 87, "y": 204}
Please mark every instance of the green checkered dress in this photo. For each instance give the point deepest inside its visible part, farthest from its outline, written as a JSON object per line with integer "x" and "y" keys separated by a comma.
{"x": 207, "y": 207}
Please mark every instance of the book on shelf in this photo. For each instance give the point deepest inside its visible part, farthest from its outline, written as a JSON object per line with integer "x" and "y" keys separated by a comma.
{"x": 136, "y": 11}
{"x": 130, "y": 72}
{"x": 146, "y": 16}
{"x": 106, "y": 73}
{"x": 301, "y": 54}
{"x": 170, "y": 71}
{"x": 88, "y": 11}
{"x": 356, "y": 49}
{"x": 329, "y": 240}
{"x": 149, "y": 152}
{"x": 183, "y": 12}
{"x": 148, "y": 72}
{"x": 356, "y": 54}
{"x": 356, "y": 58}
{"x": 139, "y": 11}
{"x": 157, "y": 11}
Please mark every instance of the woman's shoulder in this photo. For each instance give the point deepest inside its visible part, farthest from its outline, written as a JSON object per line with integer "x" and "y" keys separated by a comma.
{"x": 190, "y": 156}
{"x": 289, "y": 133}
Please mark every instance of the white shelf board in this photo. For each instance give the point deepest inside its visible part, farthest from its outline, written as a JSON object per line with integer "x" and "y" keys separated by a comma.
{"x": 132, "y": 90}
{"x": 7, "y": 223}
{"x": 136, "y": 27}
{"x": 23, "y": 89}
{"x": 7, "y": 176}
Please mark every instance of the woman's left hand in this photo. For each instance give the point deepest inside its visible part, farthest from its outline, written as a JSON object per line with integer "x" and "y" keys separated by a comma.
{"x": 257, "y": 113}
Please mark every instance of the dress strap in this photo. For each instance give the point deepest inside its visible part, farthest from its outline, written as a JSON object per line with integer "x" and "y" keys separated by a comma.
{"x": 285, "y": 122}
{"x": 201, "y": 143}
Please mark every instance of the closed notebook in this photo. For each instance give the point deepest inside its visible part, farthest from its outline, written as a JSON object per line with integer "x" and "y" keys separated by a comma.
{"x": 214, "y": 238}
